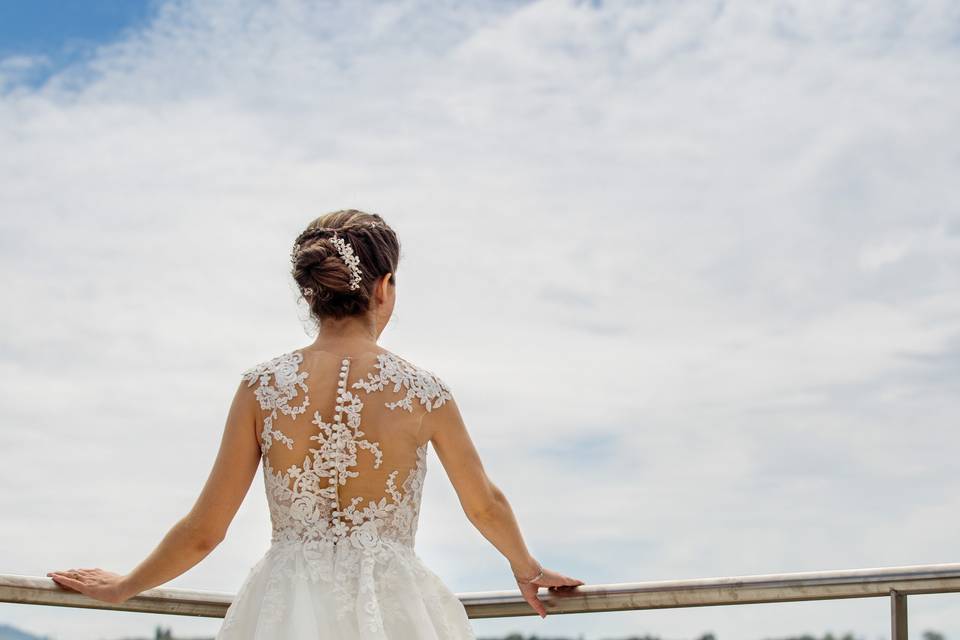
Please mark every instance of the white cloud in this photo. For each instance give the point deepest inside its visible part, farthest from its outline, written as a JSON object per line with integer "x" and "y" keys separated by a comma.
{"x": 692, "y": 266}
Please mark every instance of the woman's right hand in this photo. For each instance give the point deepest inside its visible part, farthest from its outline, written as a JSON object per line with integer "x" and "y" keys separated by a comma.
{"x": 551, "y": 579}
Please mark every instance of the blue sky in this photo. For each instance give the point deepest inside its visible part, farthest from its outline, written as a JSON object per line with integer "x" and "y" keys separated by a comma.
{"x": 692, "y": 264}
{"x": 65, "y": 32}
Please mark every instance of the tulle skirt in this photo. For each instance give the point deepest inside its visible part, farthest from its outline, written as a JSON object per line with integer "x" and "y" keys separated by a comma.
{"x": 319, "y": 590}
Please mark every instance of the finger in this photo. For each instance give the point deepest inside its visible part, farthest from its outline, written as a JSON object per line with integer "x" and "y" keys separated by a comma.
{"x": 76, "y": 577}
{"x": 68, "y": 582}
{"x": 535, "y": 602}
{"x": 59, "y": 575}
{"x": 565, "y": 588}
{"x": 537, "y": 606}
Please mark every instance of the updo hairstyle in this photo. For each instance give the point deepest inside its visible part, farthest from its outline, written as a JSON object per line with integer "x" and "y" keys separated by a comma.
{"x": 321, "y": 273}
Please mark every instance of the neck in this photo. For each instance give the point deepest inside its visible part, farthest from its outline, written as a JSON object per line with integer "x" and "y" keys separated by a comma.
{"x": 350, "y": 332}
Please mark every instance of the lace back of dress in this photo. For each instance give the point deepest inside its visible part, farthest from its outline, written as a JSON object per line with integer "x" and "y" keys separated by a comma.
{"x": 340, "y": 437}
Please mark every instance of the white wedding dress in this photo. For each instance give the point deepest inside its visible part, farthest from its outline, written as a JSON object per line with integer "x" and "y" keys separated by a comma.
{"x": 344, "y": 464}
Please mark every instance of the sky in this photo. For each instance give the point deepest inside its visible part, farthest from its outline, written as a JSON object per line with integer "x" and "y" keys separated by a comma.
{"x": 689, "y": 268}
{"x": 58, "y": 33}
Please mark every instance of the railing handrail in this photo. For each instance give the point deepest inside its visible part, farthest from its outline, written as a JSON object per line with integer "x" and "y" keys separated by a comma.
{"x": 662, "y": 594}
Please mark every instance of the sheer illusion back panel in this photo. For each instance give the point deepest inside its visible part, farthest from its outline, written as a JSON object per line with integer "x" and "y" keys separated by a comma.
{"x": 346, "y": 444}
{"x": 344, "y": 461}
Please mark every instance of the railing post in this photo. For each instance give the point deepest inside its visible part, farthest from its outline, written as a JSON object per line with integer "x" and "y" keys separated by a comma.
{"x": 898, "y": 615}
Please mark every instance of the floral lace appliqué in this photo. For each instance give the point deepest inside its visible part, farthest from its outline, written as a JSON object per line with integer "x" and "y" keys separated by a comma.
{"x": 313, "y": 535}
{"x": 277, "y": 396}
{"x": 420, "y": 383}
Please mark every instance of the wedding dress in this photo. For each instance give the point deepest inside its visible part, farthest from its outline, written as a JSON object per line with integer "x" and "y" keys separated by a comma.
{"x": 343, "y": 466}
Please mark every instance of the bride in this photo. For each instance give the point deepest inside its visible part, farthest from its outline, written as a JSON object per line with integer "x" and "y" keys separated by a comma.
{"x": 341, "y": 427}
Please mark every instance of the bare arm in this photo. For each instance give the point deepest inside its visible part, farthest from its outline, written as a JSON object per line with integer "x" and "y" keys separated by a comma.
{"x": 196, "y": 534}
{"x": 485, "y": 505}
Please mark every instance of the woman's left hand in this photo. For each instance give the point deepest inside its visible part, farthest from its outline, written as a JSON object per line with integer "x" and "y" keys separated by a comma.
{"x": 95, "y": 583}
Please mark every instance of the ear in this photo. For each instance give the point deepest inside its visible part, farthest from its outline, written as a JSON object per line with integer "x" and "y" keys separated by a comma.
{"x": 383, "y": 287}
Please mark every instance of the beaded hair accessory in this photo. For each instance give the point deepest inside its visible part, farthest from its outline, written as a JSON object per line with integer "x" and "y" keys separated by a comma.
{"x": 350, "y": 258}
{"x": 346, "y": 254}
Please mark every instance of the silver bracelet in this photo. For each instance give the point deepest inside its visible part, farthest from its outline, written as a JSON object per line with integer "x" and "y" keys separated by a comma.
{"x": 534, "y": 578}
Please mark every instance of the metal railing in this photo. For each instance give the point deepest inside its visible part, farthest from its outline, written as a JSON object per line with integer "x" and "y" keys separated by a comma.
{"x": 895, "y": 583}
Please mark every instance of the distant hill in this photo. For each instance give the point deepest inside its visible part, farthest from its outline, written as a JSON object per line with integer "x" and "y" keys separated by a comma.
{"x": 8, "y": 632}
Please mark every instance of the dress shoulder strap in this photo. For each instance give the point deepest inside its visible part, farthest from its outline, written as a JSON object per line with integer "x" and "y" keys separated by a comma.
{"x": 279, "y": 381}
{"x": 420, "y": 384}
